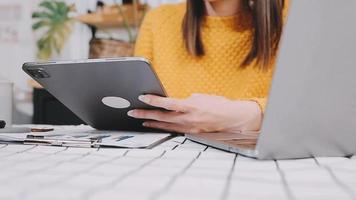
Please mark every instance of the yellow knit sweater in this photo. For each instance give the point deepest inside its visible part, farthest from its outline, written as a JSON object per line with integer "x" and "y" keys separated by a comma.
{"x": 227, "y": 41}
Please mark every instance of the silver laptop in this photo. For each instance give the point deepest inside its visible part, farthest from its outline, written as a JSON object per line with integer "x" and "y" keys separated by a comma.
{"x": 312, "y": 103}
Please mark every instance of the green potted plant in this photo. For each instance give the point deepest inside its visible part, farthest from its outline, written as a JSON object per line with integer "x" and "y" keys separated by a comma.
{"x": 55, "y": 25}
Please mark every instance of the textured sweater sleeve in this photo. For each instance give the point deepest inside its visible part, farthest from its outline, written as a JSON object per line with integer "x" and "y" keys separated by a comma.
{"x": 144, "y": 42}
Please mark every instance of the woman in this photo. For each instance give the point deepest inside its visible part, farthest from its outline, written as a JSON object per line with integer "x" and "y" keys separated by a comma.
{"x": 224, "y": 49}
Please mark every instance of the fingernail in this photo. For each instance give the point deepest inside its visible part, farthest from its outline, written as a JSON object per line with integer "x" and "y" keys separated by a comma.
{"x": 131, "y": 113}
{"x": 145, "y": 124}
{"x": 143, "y": 98}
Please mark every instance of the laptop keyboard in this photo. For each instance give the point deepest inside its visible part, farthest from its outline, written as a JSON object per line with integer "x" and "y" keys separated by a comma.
{"x": 176, "y": 169}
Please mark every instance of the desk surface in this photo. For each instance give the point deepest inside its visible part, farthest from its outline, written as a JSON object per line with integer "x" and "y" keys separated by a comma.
{"x": 176, "y": 169}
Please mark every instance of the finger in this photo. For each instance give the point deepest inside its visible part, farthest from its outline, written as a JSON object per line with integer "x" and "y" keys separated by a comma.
{"x": 164, "y": 102}
{"x": 155, "y": 115}
{"x": 171, "y": 127}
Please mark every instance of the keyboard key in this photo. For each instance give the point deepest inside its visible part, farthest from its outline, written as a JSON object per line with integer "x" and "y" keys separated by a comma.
{"x": 181, "y": 154}
{"x": 146, "y": 184}
{"x": 171, "y": 142}
{"x": 179, "y": 139}
{"x": 257, "y": 187}
{"x": 213, "y": 164}
{"x": 110, "y": 152}
{"x": 55, "y": 193}
{"x": 207, "y": 173}
{"x": 23, "y": 157}
{"x": 215, "y": 150}
{"x": 243, "y": 163}
{"x": 336, "y": 161}
{"x": 144, "y": 153}
{"x": 79, "y": 151}
{"x": 130, "y": 161}
{"x": 94, "y": 158}
{"x": 303, "y": 184}
{"x": 173, "y": 195}
{"x": 170, "y": 163}
{"x": 251, "y": 175}
{"x": 36, "y": 180}
{"x": 110, "y": 170}
{"x": 346, "y": 165}
{"x": 118, "y": 194}
{"x": 216, "y": 155}
{"x": 7, "y": 174}
{"x": 14, "y": 148}
{"x": 89, "y": 181}
{"x": 60, "y": 158}
{"x": 294, "y": 165}
{"x": 157, "y": 171}
{"x": 8, "y": 192}
{"x": 188, "y": 144}
{"x": 169, "y": 145}
{"x": 5, "y": 153}
{"x": 71, "y": 168}
{"x": 197, "y": 187}
{"x": 31, "y": 166}
{"x": 46, "y": 150}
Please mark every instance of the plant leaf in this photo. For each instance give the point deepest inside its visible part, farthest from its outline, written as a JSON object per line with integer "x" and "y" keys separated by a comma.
{"x": 59, "y": 25}
{"x": 63, "y": 8}
{"x": 40, "y": 24}
{"x": 50, "y": 5}
{"x": 42, "y": 15}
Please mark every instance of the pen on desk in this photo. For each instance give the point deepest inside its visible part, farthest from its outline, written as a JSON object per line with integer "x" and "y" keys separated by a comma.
{"x": 40, "y": 130}
{"x": 124, "y": 137}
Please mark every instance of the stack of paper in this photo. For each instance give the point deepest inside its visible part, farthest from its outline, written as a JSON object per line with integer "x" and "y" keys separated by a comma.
{"x": 84, "y": 136}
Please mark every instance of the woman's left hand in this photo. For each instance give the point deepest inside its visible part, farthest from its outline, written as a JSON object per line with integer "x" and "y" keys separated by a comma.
{"x": 200, "y": 114}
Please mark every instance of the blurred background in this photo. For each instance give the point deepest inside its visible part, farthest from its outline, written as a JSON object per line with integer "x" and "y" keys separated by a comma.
{"x": 39, "y": 30}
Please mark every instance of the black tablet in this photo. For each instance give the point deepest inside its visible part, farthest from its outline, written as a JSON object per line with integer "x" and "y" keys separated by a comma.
{"x": 100, "y": 91}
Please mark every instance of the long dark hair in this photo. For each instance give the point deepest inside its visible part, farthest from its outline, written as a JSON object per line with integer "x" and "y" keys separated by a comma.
{"x": 267, "y": 17}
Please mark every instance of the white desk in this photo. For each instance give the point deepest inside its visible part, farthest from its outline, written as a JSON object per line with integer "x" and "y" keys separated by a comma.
{"x": 176, "y": 169}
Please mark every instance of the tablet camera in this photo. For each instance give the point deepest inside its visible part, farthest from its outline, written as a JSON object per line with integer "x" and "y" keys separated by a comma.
{"x": 2, "y": 124}
{"x": 38, "y": 73}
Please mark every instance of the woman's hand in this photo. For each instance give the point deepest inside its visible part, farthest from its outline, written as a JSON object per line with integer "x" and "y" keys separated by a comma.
{"x": 200, "y": 114}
